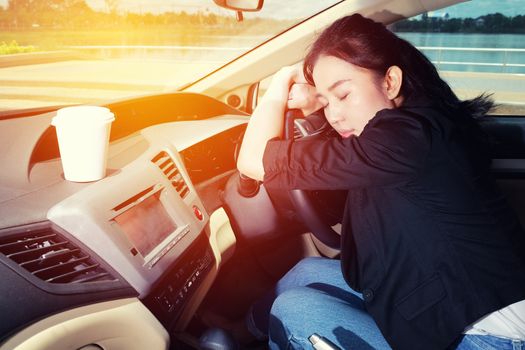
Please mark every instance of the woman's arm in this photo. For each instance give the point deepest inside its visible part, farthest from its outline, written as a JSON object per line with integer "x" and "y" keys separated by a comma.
{"x": 268, "y": 117}
{"x": 392, "y": 149}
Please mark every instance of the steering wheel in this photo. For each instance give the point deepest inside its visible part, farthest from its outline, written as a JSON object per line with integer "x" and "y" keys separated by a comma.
{"x": 302, "y": 201}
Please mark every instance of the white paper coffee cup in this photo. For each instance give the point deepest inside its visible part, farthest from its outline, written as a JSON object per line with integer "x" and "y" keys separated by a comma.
{"x": 83, "y": 139}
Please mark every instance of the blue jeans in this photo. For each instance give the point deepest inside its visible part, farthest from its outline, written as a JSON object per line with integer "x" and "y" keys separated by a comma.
{"x": 313, "y": 297}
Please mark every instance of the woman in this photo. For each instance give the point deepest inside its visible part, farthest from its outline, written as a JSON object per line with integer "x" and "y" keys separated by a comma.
{"x": 432, "y": 257}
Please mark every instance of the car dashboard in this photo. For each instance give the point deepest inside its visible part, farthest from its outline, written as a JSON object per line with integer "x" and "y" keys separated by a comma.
{"x": 147, "y": 213}
{"x": 145, "y": 231}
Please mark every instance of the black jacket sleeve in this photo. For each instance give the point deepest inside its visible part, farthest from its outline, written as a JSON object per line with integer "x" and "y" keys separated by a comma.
{"x": 391, "y": 150}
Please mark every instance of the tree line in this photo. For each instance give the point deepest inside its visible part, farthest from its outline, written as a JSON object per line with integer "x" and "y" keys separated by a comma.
{"x": 492, "y": 23}
{"x": 76, "y": 14}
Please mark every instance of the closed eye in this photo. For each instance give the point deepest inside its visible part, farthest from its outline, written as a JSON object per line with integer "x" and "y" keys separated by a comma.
{"x": 344, "y": 97}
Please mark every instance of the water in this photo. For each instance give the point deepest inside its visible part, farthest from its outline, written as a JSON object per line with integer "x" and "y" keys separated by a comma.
{"x": 506, "y": 54}
{"x": 497, "y": 61}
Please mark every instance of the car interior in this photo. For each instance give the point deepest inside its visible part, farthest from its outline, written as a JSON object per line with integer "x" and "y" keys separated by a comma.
{"x": 173, "y": 244}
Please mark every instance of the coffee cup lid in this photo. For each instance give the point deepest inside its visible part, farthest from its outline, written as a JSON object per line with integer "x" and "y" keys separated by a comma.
{"x": 84, "y": 115}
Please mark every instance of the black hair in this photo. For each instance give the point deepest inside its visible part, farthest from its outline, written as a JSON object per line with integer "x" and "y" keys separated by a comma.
{"x": 369, "y": 44}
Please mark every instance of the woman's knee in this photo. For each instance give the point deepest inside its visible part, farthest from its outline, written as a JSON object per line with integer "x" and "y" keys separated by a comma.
{"x": 287, "y": 317}
{"x": 301, "y": 304}
{"x": 300, "y": 312}
{"x": 291, "y": 301}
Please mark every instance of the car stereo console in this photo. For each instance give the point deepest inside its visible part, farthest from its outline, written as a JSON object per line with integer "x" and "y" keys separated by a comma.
{"x": 140, "y": 219}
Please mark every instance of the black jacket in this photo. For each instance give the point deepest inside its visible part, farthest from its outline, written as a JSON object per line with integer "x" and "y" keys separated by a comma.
{"x": 427, "y": 237}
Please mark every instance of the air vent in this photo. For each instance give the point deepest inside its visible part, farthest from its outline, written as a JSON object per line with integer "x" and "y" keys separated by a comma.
{"x": 50, "y": 257}
{"x": 172, "y": 173}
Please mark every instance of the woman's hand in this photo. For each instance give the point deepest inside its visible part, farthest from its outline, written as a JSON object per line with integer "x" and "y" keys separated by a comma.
{"x": 268, "y": 117}
{"x": 303, "y": 96}
{"x": 290, "y": 88}
{"x": 281, "y": 83}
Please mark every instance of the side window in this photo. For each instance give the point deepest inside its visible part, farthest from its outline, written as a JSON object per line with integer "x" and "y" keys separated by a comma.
{"x": 477, "y": 46}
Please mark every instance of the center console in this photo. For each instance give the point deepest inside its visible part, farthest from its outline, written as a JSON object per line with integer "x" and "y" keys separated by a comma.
{"x": 169, "y": 298}
{"x": 144, "y": 220}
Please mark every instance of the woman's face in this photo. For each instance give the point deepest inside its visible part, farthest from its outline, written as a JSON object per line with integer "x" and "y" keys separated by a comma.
{"x": 351, "y": 95}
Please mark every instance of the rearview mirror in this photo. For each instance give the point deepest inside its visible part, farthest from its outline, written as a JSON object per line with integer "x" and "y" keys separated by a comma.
{"x": 241, "y": 5}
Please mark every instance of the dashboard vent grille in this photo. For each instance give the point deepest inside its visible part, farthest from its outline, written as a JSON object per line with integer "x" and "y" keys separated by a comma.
{"x": 166, "y": 164}
{"x": 49, "y": 256}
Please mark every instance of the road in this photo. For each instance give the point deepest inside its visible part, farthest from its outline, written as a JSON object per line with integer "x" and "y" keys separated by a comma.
{"x": 95, "y": 81}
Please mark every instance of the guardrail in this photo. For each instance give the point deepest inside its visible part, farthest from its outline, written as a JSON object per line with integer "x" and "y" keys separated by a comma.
{"x": 496, "y": 57}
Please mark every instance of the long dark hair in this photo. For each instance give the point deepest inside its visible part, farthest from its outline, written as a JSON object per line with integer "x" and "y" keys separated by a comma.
{"x": 369, "y": 44}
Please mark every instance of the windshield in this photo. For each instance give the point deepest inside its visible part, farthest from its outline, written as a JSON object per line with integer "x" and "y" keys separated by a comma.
{"x": 62, "y": 52}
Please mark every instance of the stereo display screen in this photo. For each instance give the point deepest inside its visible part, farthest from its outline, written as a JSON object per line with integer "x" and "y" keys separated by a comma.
{"x": 146, "y": 224}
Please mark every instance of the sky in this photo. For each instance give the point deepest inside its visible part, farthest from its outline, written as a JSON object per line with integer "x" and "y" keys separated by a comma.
{"x": 301, "y": 8}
